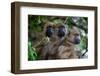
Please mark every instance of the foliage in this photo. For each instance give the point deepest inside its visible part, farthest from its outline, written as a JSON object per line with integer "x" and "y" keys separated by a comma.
{"x": 32, "y": 54}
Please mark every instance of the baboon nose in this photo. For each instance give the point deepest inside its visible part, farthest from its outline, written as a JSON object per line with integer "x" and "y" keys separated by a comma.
{"x": 77, "y": 41}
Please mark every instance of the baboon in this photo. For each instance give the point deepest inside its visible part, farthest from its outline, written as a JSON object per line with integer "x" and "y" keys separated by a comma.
{"x": 61, "y": 44}
{"x": 56, "y": 33}
{"x": 68, "y": 49}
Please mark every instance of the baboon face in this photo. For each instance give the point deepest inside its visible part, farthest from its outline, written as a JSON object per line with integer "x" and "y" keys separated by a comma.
{"x": 74, "y": 35}
{"x": 55, "y": 31}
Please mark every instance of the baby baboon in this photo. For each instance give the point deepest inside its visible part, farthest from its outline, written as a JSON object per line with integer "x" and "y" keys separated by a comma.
{"x": 56, "y": 33}
{"x": 68, "y": 49}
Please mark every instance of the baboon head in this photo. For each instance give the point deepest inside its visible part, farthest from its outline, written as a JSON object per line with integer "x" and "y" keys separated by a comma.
{"x": 55, "y": 31}
{"x": 74, "y": 35}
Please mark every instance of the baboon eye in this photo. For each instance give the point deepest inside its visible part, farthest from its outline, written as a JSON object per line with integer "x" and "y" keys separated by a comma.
{"x": 61, "y": 31}
{"x": 76, "y": 34}
{"x": 49, "y": 31}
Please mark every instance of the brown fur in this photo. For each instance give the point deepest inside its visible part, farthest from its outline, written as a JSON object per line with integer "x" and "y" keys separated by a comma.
{"x": 68, "y": 49}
